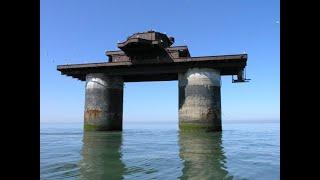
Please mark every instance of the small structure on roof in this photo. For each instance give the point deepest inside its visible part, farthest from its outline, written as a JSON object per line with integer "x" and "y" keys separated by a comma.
{"x": 147, "y": 46}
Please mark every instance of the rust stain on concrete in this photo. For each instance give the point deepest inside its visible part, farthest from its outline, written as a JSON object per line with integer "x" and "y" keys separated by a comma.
{"x": 92, "y": 113}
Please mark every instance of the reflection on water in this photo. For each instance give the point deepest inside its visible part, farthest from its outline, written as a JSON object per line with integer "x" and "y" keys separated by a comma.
{"x": 101, "y": 156}
{"x": 203, "y": 156}
{"x": 242, "y": 151}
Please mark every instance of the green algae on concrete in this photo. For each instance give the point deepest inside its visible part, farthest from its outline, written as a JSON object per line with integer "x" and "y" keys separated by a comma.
{"x": 197, "y": 127}
{"x": 91, "y": 127}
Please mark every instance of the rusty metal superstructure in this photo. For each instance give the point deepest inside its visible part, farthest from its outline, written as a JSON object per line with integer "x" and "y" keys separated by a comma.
{"x": 150, "y": 56}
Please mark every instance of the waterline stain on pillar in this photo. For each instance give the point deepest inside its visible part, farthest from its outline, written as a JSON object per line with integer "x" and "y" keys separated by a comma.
{"x": 200, "y": 100}
{"x": 103, "y": 103}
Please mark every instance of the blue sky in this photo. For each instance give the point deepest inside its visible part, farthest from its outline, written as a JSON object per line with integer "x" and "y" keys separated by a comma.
{"x": 79, "y": 31}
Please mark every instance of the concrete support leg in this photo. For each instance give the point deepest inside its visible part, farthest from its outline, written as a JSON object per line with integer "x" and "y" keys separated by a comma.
{"x": 103, "y": 103}
{"x": 200, "y": 100}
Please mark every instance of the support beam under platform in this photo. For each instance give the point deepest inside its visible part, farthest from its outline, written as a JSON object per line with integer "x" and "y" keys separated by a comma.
{"x": 103, "y": 103}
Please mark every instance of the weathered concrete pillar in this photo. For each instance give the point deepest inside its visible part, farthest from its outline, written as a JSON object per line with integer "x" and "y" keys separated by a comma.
{"x": 103, "y": 103}
{"x": 200, "y": 100}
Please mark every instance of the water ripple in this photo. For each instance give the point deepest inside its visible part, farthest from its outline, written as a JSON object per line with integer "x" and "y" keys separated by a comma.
{"x": 239, "y": 152}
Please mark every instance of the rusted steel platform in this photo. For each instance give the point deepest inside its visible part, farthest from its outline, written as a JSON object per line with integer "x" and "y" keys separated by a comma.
{"x": 157, "y": 71}
{"x": 149, "y": 56}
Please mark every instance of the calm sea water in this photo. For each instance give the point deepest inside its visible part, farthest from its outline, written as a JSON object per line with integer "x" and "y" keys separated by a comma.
{"x": 159, "y": 151}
